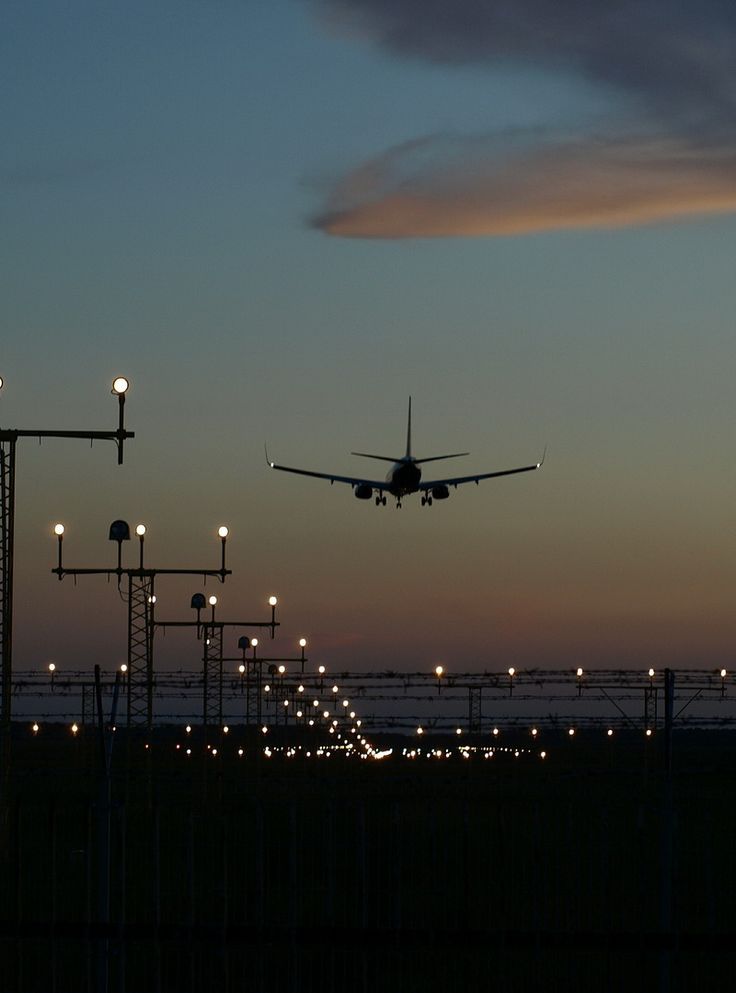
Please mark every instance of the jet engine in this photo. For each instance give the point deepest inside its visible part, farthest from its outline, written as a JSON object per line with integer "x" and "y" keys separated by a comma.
{"x": 440, "y": 492}
{"x": 363, "y": 491}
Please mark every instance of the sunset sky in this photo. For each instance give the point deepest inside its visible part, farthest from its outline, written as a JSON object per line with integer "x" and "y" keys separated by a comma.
{"x": 279, "y": 220}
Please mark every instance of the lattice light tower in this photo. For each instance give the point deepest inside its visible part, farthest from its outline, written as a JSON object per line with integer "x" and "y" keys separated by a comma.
{"x": 141, "y": 598}
{"x": 211, "y": 632}
{"x": 8, "y": 442}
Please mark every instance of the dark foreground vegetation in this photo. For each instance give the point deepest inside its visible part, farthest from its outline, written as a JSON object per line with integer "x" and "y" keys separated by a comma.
{"x": 591, "y": 869}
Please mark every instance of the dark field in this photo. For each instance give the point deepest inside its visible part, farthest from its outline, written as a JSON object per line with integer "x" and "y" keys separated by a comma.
{"x": 584, "y": 871}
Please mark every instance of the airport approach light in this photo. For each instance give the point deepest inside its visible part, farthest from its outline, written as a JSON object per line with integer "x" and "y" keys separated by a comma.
{"x": 120, "y": 386}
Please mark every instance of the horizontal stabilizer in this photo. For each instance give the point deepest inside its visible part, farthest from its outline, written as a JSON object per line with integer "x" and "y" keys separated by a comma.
{"x": 383, "y": 458}
{"x": 437, "y": 458}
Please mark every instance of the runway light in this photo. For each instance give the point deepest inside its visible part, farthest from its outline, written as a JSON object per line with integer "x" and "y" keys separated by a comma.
{"x": 59, "y": 529}
{"x": 543, "y": 755}
{"x": 579, "y": 672}
{"x": 75, "y": 728}
{"x": 495, "y": 732}
{"x": 188, "y": 729}
{"x": 610, "y": 732}
{"x": 302, "y": 642}
{"x": 571, "y": 732}
{"x": 140, "y": 530}
{"x": 212, "y": 601}
{"x": 282, "y": 670}
{"x": 35, "y": 728}
{"x": 124, "y": 667}
{"x": 420, "y": 730}
{"x": 723, "y": 673}
{"x": 649, "y": 732}
{"x": 272, "y": 601}
{"x": 651, "y": 673}
{"x": 321, "y": 670}
{"x": 241, "y": 668}
{"x": 438, "y": 671}
{"x": 512, "y": 671}
{"x": 458, "y": 731}
{"x": 120, "y": 385}
{"x": 226, "y": 730}
{"x": 254, "y": 642}
{"x": 52, "y": 667}
{"x": 534, "y": 732}
{"x": 223, "y": 532}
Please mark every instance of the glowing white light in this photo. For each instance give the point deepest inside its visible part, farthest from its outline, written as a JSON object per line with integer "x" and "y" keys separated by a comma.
{"x": 124, "y": 667}
{"x": 240, "y": 751}
{"x": 282, "y": 669}
{"x": 52, "y": 666}
{"x": 651, "y": 673}
{"x": 610, "y": 732}
{"x": 272, "y": 601}
{"x": 223, "y": 532}
{"x": 120, "y": 385}
{"x": 300, "y": 688}
{"x": 226, "y": 730}
{"x": 543, "y": 755}
{"x": 495, "y": 732}
{"x": 267, "y": 688}
{"x": 723, "y": 673}
{"x": 241, "y": 668}
{"x": 34, "y": 728}
{"x": 534, "y": 732}
{"x": 59, "y": 529}
{"x": 512, "y": 671}
{"x": 321, "y": 670}
{"x": 140, "y": 530}
{"x": 571, "y": 732}
{"x": 438, "y": 671}
{"x": 75, "y": 728}
{"x": 302, "y": 642}
{"x": 458, "y": 731}
{"x": 212, "y": 601}
{"x": 254, "y": 642}
{"x": 420, "y": 730}
{"x": 649, "y": 732}
{"x": 152, "y": 599}
{"x": 579, "y": 672}
{"x": 188, "y": 729}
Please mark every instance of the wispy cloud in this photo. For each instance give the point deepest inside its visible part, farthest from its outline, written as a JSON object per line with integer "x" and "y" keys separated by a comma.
{"x": 674, "y": 156}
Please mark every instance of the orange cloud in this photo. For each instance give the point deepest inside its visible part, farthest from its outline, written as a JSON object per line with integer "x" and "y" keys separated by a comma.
{"x": 465, "y": 187}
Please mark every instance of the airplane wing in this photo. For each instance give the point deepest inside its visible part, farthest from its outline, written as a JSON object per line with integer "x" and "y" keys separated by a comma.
{"x": 333, "y": 478}
{"x": 457, "y": 480}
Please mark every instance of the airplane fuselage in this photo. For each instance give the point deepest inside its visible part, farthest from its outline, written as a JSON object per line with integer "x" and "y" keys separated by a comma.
{"x": 403, "y": 477}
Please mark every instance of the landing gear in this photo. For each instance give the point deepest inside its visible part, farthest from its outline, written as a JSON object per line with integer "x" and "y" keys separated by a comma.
{"x": 427, "y": 500}
{"x": 380, "y": 501}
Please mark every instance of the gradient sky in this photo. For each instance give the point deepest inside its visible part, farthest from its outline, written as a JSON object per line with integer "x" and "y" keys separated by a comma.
{"x": 177, "y": 179}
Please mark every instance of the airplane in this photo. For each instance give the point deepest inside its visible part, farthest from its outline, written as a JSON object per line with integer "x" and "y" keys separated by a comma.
{"x": 404, "y": 477}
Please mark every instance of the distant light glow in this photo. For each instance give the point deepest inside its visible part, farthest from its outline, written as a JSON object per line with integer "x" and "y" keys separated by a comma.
{"x": 579, "y": 672}
{"x": 282, "y": 669}
{"x": 571, "y": 732}
{"x": 212, "y": 601}
{"x": 124, "y": 667}
{"x": 254, "y": 642}
{"x": 321, "y": 670}
{"x": 723, "y": 673}
{"x": 59, "y": 529}
{"x": 75, "y": 728}
{"x": 651, "y": 673}
{"x": 610, "y": 732}
{"x": 438, "y": 671}
{"x": 272, "y": 601}
{"x": 223, "y": 532}
{"x": 302, "y": 642}
{"x": 140, "y": 530}
{"x": 512, "y": 671}
{"x": 120, "y": 385}
{"x": 241, "y": 668}
{"x": 52, "y": 666}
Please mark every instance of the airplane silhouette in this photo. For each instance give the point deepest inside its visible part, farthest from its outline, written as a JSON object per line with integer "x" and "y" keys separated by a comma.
{"x": 404, "y": 476}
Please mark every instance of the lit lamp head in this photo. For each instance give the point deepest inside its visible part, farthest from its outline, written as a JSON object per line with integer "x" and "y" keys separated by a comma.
{"x": 302, "y": 642}
{"x": 223, "y": 532}
{"x": 2, "y": 382}
{"x": 120, "y": 386}
{"x": 59, "y": 531}
{"x": 212, "y": 601}
{"x": 140, "y": 530}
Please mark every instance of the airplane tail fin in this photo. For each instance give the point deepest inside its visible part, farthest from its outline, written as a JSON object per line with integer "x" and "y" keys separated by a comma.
{"x": 408, "y": 433}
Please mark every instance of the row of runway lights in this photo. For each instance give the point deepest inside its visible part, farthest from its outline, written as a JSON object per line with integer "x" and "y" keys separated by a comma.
{"x": 534, "y": 732}
{"x": 439, "y": 672}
